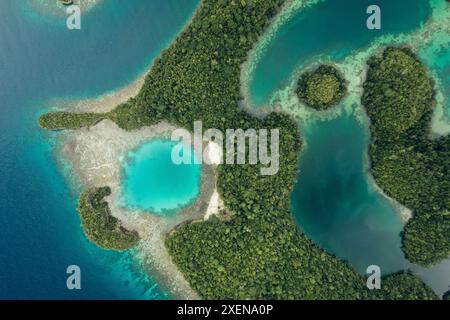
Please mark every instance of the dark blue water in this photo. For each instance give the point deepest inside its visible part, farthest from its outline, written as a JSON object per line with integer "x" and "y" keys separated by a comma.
{"x": 40, "y": 60}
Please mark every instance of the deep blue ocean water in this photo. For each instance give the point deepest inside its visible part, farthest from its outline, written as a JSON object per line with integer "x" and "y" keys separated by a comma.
{"x": 40, "y": 60}
{"x": 153, "y": 182}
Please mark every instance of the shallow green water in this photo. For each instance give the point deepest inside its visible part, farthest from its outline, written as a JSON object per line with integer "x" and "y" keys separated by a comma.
{"x": 40, "y": 61}
{"x": 335, "y": 205}
{"x": 154, "y": 183}
{"x": 332, "y": 29}
{"x": 334, "y": 202}
{"x": 437, "y": 58}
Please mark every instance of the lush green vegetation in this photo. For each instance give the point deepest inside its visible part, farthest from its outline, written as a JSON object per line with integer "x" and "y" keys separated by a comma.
{"x": 322, "y": 88}
{"x": 122, "y": 115}
{"x": 66, "y": 120}
{"x": 410, "y": 167}
{"x": 99, "y": 225}
{"x": 404, "y": 286}
{"x": 259, "y": 252}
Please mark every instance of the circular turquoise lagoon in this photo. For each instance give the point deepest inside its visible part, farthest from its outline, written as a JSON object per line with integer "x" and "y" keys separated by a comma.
{"x": 153, "y": 182}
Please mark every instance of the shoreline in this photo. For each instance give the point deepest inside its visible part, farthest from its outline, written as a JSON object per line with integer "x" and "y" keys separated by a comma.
{"x": 354, "y": 69}
{"x": 90, "y": 157}
{"x": 289, "y": 9}
{"x": 103, "y": 103}
{"x": 110, "y": 99}
{"x": 97, "y": 160}
{"x": 82, "y": 149}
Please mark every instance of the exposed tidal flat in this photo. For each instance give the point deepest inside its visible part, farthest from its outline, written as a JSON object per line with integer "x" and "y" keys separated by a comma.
{"x": 204, "y": 241}
{"x": 336, "y": 201}
{"x": 99, "y": 156}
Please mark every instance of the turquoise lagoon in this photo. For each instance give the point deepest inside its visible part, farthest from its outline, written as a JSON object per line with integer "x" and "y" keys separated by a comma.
{"x": 153, "y": 182}
{"x": 330, "y": 30}
{"x": 334, "y": 203}
{"x": 40, "y": 61}
{"x": 334, "y": 200}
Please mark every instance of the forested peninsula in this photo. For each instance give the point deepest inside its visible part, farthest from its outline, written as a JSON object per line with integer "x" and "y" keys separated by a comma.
{"x": 406, "y": 163}
{"x": 100, "y": 226}
{"x": 260, "y": 253}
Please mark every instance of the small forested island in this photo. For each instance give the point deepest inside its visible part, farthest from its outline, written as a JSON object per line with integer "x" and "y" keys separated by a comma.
{"x": 99, "y": 225}
{"x": 409, "y": 166}
{"x": 122, "y": 115}
{"x": 60, "y": 120}
{"x": 260, "y": 253}
{"x": 322, "y": 88}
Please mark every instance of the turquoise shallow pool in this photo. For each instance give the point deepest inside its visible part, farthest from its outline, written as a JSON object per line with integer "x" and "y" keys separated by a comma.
{"x": 41, "y": 60}
{"x": 153, "y": 182}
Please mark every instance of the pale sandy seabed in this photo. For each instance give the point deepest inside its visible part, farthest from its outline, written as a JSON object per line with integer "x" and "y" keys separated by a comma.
{"x": 290, "y": 8}
{"x": 96, "y": 158}
{"x": 95, "y": 155}
{"x": 354, "y": 69}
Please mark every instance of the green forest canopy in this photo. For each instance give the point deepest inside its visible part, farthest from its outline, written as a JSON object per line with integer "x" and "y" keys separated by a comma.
{"x": 260, "y": 252}
{"x": 410, "y": 167}
{"x": 322, "y": 88}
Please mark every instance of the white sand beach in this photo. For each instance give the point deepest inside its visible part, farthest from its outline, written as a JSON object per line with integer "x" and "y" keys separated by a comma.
{"x": 96, "y": 157}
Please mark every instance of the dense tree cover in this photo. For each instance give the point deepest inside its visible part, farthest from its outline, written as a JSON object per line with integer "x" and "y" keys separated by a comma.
{"x": 99, "y": 225}
{"x": 404, "y": 286}
{"x": 126, "y": 117}
{"x": 322, "y": 88}
{"x": 259, "y": 252}
{"x": 398, "y": 93}
{"x": 410, "y": 167}
{"x": 122, "y": 115}
{"x": 66, "y": 120}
